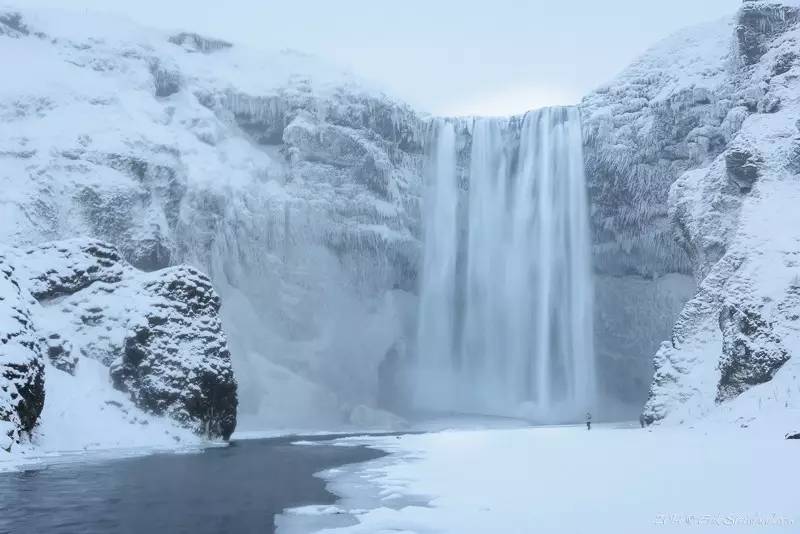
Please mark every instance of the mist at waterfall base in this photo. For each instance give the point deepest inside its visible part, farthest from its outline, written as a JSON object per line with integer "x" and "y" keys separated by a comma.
{"x": 505, "y": 313}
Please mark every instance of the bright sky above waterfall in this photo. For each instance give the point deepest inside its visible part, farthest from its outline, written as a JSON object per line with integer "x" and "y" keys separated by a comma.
{"x": 448, "y": 57}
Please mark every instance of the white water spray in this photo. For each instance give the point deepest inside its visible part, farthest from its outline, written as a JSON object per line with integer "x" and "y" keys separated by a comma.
{"x": 505, "y": 324}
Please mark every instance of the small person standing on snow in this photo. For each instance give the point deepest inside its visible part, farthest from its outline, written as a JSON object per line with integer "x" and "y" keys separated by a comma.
{"x": 588, "y": 421}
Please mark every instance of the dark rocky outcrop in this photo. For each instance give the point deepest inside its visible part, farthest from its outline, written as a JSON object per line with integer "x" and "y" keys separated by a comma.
{"x": 59, "y": 352}
{"x": 751, "y": 351}
{"x": 159, "y": 332}
{"x": 176, "y": 362}
{"x": 167, "y": 81}
{"x": 743, "y": 167}
{"x": 22, "y": 391}
{"x": 66, "y": 267}
{"x": 11, "y": 25}
{"x": 758, "y": 23}
{"x": 198, "y": 43}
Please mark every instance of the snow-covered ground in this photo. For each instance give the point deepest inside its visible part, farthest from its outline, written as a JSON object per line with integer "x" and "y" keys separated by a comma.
{"x": 84, "y": 417}
{"x": 617, "y": 479}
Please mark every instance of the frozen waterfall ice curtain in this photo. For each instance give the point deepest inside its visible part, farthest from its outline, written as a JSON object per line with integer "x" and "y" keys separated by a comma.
{"x": 505, "y": 322}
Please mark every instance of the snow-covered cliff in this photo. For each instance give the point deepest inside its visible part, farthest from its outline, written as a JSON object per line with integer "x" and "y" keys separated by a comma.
{"x": 733, "y": 349}
{"x": 292, "y": 184}
{"x": 693, "y": 157}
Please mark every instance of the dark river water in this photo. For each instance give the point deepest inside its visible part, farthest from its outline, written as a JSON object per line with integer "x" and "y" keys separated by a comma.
{"x": 235, "y": 489}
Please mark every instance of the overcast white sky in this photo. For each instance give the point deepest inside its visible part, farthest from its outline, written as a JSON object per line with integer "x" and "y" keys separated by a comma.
{"x": 449, "y": 57}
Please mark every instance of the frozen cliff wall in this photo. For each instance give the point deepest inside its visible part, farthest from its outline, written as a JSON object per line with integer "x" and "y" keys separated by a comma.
{"x": 691, "y": 155}
{"x": 672, "y": 110}
{"x": 734, "y": 350}
{"x": 292, "y": 184}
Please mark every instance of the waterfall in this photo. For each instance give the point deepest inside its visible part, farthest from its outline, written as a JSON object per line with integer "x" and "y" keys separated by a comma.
{"x": 505, "y": 323}
{"x": 436, "y": 331}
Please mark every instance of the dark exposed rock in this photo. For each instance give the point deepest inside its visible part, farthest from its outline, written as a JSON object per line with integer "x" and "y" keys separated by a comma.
{"x": 59, "y": 352}
{"x": 150, "y": 254}
{"x": 784, "y": 63}
{"x": 176, "y": 362}
{"x": 167, "y": 82}
{"x": 793, "y": 435}
{"x": 758, "y": 23}
{"x": 743, "y": 167}
{"x": 198, "y": 43}
{"x": 794, "y": 158}
{"x": 751, "y": 351}
{"x": 21, "y": 366}
{"x": 159, "y": 331}
{"x": 65, "y": 267}
{"x": 11, "y": 24}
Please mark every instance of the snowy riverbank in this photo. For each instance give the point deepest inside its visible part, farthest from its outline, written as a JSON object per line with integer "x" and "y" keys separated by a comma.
{"x": 564, "y": 480}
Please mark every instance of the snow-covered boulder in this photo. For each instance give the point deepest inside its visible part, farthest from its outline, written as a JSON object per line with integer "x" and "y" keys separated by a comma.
{"x": 159, "y": 332}
{"x": 176, "y": 360}
{"x": 22, "y": 392}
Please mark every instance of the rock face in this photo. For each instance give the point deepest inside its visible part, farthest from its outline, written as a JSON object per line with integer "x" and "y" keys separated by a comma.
{"x": 669, "y": 112}
{"x": 177, "y": 362}
{"x": 751, "y": 351}
{"x": 295, "y": 186}
{"x": 732, "y": 214}
{"x": 758, "y": 24}
{"x": 22, "y": 391}
{"x": 690, "y": 155}
{"x": 159, "y": 332}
